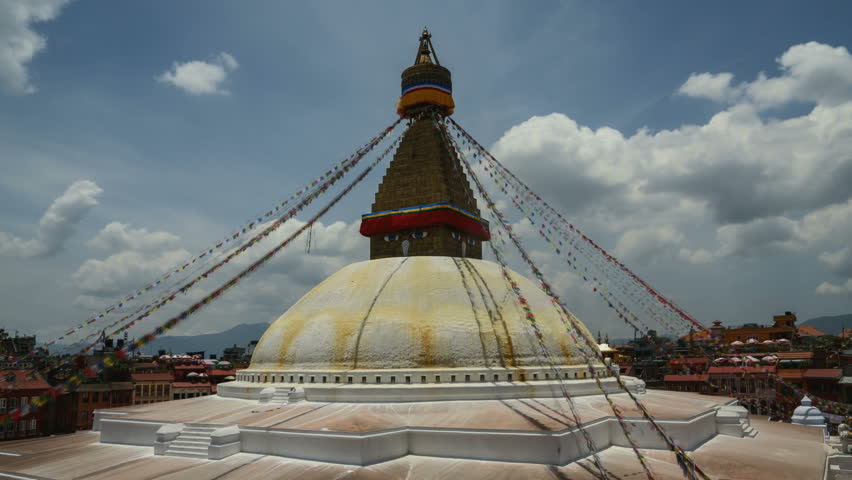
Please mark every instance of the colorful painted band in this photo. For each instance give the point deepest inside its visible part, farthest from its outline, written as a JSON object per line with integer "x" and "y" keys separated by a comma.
{"x": 433, "y": 85}
{"x": 426, "y": 95}
{"x": 424, "y": 216}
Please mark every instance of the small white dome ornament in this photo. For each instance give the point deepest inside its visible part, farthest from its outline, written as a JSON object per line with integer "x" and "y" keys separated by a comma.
{"x": 807, "y": 414}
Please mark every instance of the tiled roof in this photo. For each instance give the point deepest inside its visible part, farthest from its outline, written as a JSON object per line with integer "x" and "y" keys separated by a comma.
{"x": 756, "y": 369}
{"x": 151, "y": 377}
{"x": 189, "y": 384}
{"x": 829, "y": 373}
{"x": 794, "y": 355}
{"x": 146, "y": 365}
{"x": 189, "y": 367}
{"x": 790, "y": 374}
{"x": 686, "y": 378}
{"x": 24, "y": 380}
{"x": 689, "y": 360}
{"x": 809, "y": 331}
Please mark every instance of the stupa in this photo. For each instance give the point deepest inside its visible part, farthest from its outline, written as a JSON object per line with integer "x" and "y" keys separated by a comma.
{"x": 425, "y": 310}
{"x": 419, "y": 363}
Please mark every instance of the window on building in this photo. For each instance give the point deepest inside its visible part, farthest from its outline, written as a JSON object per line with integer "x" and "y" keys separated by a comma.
{"x": 84, "y": 415}
{"x": 85, "y": 396}
{"x": 13, "y": 403}
{"x": 2, "y": 404}
{"x": 32, "y": 425}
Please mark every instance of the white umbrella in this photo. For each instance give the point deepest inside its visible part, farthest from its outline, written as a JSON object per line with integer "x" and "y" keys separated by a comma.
{"x": 737, "y": 343}
{"x": 752, "y": 341}
{"x": 735, "y": 360}
{"x": 720, "y": 360}
{"x": 192, "y": 374}
{"x": 782, "y": 341}
{"x": 768, "y": 342}
{"x": 751, "y": 359}
{"x": 769, "y": 358}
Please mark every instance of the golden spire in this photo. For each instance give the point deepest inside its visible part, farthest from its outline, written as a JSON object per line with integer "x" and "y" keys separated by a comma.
{"x": 425, "y": 52}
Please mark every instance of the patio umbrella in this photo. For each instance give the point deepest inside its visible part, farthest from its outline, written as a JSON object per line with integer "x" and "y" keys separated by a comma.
{"x": 737, "y": 343}
{"x": 768, "y": 342}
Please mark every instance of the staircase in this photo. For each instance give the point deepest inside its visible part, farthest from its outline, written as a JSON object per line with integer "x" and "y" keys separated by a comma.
{"x": 733, "y": 421}
{"x": 193, "y": 442}
{"x": 282, "y": 395}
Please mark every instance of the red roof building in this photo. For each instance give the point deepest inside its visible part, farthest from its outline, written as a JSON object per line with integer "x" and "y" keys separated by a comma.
{"x": 809, "y": 331}
{"x": 151, "y": 387}
{"x": 17, "y": 387}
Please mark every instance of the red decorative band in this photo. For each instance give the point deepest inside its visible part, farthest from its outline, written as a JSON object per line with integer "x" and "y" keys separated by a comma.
{"x": 408, "y": 219}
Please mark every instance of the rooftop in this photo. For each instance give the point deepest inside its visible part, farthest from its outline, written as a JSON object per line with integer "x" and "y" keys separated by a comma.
{"x": 81, "y": 456}
{"x": 809, "y": 331}
{"x": 152, "y": 377}
{"x": 22, "y": 380}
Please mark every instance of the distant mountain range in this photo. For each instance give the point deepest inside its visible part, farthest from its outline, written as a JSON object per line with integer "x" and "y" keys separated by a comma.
{"x": 239, "y": 335}
{"x": 831, "y": 325}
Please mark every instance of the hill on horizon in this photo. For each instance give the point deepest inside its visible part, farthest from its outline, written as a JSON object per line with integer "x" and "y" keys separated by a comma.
{"x": 214, "y": 343}
{"x": 830, "y": 324}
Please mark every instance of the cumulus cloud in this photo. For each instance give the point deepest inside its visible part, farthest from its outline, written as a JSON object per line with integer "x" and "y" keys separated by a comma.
{"x": 649, "y": 244}
{"x": 120, "y": 236}
{"x": 715, "y": 86}
{"x": 57, "y": 224}
{"x": 742, "y": 185}
{"x": 261, "y": 297}
{"x": 810, "y": 72}
{"x": 827, "y": 288}
{"x": 198, "y": 77}
{"x": 122, "y": 272}
{"x": 19, "y": 43}
{"x": 839, "y": 261}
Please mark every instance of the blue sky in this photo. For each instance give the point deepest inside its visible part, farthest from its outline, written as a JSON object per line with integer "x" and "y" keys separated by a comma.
{"x": 584, "y": 100}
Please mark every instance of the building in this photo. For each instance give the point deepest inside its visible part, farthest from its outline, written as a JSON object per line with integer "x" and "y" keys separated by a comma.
{"x": 89, "y": 397}
{"x": 783, "y": 326}
{"x": 233, "y": 354}
{"x": 151, "y": 387}
{"x": 16, "y": 389}
{"x": 189, "y": 389}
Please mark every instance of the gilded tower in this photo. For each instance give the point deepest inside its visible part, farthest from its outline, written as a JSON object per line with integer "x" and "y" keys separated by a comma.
{"x": 424, "y": 205}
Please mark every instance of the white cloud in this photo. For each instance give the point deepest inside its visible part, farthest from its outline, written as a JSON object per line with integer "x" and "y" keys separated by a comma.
{"x": 261, "y": 297}
{"x": 19, "y": 43}
{"x": 649, "y": 244}
{"x": 120, "y": 236}
{"x": 709, "y": 85}
{"x": 57, "y": 224}
{"x": 742, "y": 185}
{"x": 760, "y": 236}
{"x": 826, "y": 288}
{"x": 810, "y": 72}
{"x": 120, "y": 273}
{"x": 197, "y": 77}
{"x": 838, "y": 261}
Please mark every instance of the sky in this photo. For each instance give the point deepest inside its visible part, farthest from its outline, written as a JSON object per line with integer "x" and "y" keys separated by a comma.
{"x": 708, "y": 145}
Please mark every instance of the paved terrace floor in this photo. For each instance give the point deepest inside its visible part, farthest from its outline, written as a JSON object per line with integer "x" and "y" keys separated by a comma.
{"x": 543, "y": 414}
{"x": 779, "y": 452}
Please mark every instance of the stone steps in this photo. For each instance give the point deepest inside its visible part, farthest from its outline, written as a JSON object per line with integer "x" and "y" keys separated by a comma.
{"x": 193, "y": 442}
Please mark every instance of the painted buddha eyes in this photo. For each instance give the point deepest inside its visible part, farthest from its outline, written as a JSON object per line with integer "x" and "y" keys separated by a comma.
{"x": 455, "y": 235}
{"x": 419, "y": 235}
{"x": 391, "y": 238}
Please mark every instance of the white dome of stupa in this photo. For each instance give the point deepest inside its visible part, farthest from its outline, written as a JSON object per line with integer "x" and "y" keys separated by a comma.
{"x": 807, "y": 414}
{"x": 412, "y": 313}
